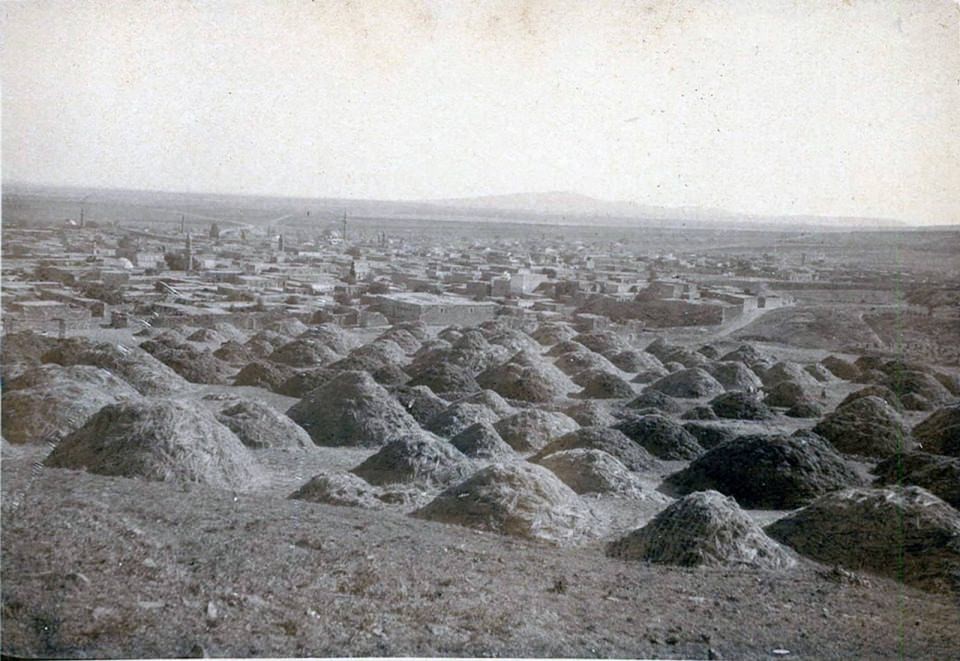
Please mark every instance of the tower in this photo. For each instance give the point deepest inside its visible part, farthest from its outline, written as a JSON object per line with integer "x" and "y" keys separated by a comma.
{"x": 182, "y": 223}
{"x": 344, "y": 235}
{"x": 82, "y": 222}
{"x": 189, "y": 255}
{"x": 280, "y": 243}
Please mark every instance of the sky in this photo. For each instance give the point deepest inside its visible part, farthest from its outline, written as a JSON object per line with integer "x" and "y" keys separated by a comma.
{"x": 774, "y": 107}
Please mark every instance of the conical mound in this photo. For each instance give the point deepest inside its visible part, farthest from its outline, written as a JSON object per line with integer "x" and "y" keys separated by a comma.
{"x": 132, "y": 364}
{"x": 688, "y": 383}
{"x": 632, "y": 455}
{"x": 940, "y": 431}
{"x": 531, "y": 429}
{"x": 703, "y": 529}
{"x": 663, "y": 437}
{"x": 419, "y": 458}
{"x": 481, "y": 440}
{"x": 592, "y": 471}
{"x": 867, "y": 426}
{"x": 260, "y": 426}
{"x": 352, "y": 409}
{"x": 164, "y": 440}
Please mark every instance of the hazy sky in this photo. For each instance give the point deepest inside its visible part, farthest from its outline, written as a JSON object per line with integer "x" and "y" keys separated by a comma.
{"x": 786, "y": 107}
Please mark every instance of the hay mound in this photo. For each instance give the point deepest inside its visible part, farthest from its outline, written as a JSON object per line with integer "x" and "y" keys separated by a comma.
{"x": 649, "y": 376}
{"x": 482, "y": 441}
{"x": 940, "y": 431}
{"x": 333, "y": 336}
{"x": 263, "y": 374}
{"x": 372, "y": 356}
{"x": 567, "y": 346}
{"x": 739, "y": 405}
{"x": 804, "y": 409}
{"x": 352, "y": 409}
{"x": 709, "y": 351}
{"x": 205, "y": 335}
{"x": 688, "y": 383}
{"x": 408, "y": 337}
{"x": 788, "y": 371}
{"x": 299, "y": 383}
{"x": 673, "y": 366}
{"x": 603, "y": 342}
{"x": 47, "y": 402}
{"x": 734, "y": 375}
{"x": 703, "y": 529}
{"x": 875, "y": 390}
{"x": 263, "y": 343}
{"x": 420, "y": 402}
{"x": 288, "y": 326}
{"x": 700, "y": 412}
{"x": 234, "y": 353}
{"x": 440, "y": 375}
{"x": 749, "y": 356}
{"x": 914, "y": 402}
{"x": 24, "y": 347}
{"x": 592, "y": 471}
{"x": 936, "y": 473}
{"x": 871, "y": 376}
{"x": 164, "y": 440}
{"x": 598, "y": 384}
{"x": 818, "y": 372}
{"x": 949, "y": 381}
{"x": 458, "y": 416}
{"x": 260, "y": 426}
{"x": 522, "y": 500}
{"x": 591, "y": 413}
{"x": 304, "y": 352}
{"x": 632, "y": 360}
{"x": 194, "y": 365}
{"x": 684, "y": 357}
{"x": 918, "y": 383}
{"x": 146, "y": 374}
{"x": 344, "y": 489}
{"x": 526, "y": 377}
{"x": 661, "y": 349}
{"x": 635, "y": 457}
{"x": 869, "y": 362}
{"x": 513, "y": 341}
{"x": 417, "y": 458}
{"x": 663, "y": 437}
{"x": 654, "y": 399}
{"x": 710, "y": 435}
{"x": 390, "y": 376}
{"x": 864, "y": 529}
{"x": 531, "y": 429}
{"x": 551, "y": 333}
{"x": 840, "y": 368}
{"x": 574, "y": 362}
{"x": 867, "y": 426}
{"x": 491, "y": 400}
{"x": 767, "y": 472}
{"x": 787, "y": 394}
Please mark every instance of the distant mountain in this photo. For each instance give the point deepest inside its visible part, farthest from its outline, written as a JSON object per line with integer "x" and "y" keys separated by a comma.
{"x": 567, "y": 204}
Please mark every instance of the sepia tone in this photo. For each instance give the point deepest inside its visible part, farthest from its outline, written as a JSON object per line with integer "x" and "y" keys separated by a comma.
{"x": 513, "y": 329}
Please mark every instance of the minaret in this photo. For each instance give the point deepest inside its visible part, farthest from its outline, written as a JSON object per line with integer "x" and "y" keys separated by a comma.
{"x": 280, "y": 243}
{"x": 82, "y": 222}
{"x": 189, "y": 252}
{"x": 344, "y": 226}
{"x": 182, "y": 223}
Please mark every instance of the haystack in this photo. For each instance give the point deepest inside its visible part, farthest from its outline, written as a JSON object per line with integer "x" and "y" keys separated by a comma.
{"x": 818, "y": 372}
{"x": 526, "y": 377}
{"x": 804, "y": 409}
{"x": 599, "y": 384}
{"x": 513, "y": 341}
{"x": 656, "y": 400}
{"x": 904, "y": 533}
{"x": 709, "y": 351}
{"x": 304, "y": 352}
{"x": 918, "y": 383}
{"x": 787, "y": 394}
{"x": 938, "y": 474}
{"x": 420, "y": 402}
{"x": 522, "y": 500}
{"x": 288, "y": 326}
{"x": 688, "y": 383}
{"x": 663, "y": 437}
{"x": 491, "y": 400}
{"x": 458, "y": 416}
{"x": 301, "y": 382}
{"x": 390, "y": 376}
{"x": 260, "y": 426}
{"x": 146, "y": 374}
{"x": 550, "y": 333}
{"x": 685, "y": 357}
{"x": 867, "y": 426}
{"x": 343, "y": 489}
{"x": 649, "y": 376}
{"x": 404, "y": 338}
{"x": 47, "y": 402}
{"x": 870, "y": 362}
{"x": 940, "y": 431}
{"x": 603, "y": 342}
{"x": 767, "y": 472}
{"x": 710, "y": 435}
{"x": 591, "y": 413}
{"x": 372, "y": 356}
{"x": 631, "y": 360}
{"x": 673, "y": 366}
{"x": 788, "y": 371}
{"x": 352, "y": 409}
{"x": 24, "y": 347}
{"x": 566, "y": 346}
{"x": 874, "y": 390}
{"x": 914, "y": 402}
{"x": 739, "y": 405}
{"x": 700, "y": 412}
{"x": 160, "y": 439}
{"x": 574, "y": 362}
{"x": 592, "y": 471}
{"x": 749, "y": 356}
{"x": 531, "y": 429}
{"x": 660, "y": 348}
{"x": 234, "y": 352}
{"x": 840, "y": 368}
{"x": 263, "y": 374}
{"x": 205, "y": 336}
{"x": 704, "y": 529}
{"x": 419, "y": 458}
{"x": 635, "y": 457}
{"x": 451, "y": 334}
{"x": 333, "y": 336}
{"x": 194, "y": 365}
{"x": 949, "y": 381}
{"x": 481, "y": 441}
{"x": 734, "y": 375}
{"x": 264, "y": 342}
{"x": 443, "y": 376}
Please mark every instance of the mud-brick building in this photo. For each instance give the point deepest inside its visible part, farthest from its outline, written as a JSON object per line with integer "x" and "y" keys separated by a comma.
{"x": 434, "y": 309}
